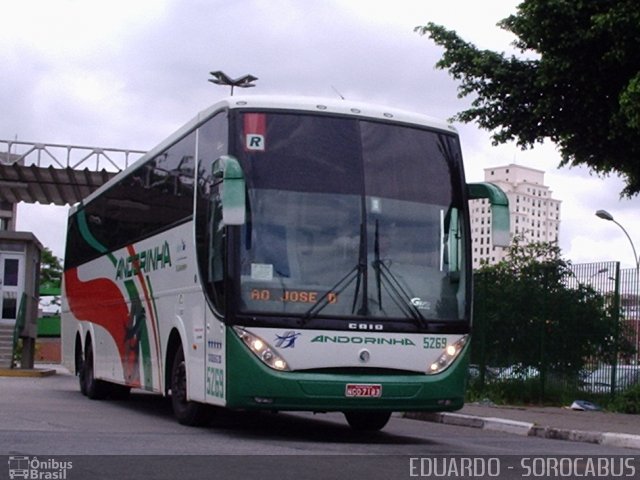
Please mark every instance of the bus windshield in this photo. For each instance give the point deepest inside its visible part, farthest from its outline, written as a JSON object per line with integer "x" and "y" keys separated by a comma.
{"x": 348, "y": 218}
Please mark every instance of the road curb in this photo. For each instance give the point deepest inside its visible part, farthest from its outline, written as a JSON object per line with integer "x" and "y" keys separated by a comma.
{"x": 527, "y": 429}
{"x": 624, "y": 440}
{"x": 507, "y": 426}
{"x": 27, "y": 372}
{"x": 566, "y": 434}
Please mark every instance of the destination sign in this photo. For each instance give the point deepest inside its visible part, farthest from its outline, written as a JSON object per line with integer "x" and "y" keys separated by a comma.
{"x": 291, "y": 296}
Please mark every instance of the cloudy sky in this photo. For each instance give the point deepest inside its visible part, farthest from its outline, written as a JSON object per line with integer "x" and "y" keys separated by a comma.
{"x": 125, "y": 74}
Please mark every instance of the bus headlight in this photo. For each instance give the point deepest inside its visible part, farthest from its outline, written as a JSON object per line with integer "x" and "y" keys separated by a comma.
{"x": 262, "y": 350}
{"x": 449, "y": 354}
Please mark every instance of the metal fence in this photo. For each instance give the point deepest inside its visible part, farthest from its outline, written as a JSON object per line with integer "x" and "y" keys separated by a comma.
{"x": 604, "y": 372}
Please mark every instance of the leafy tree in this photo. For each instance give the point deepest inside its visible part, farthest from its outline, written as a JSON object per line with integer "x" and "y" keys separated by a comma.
{"x": 577, "y": 83}
{"x": 526, "y": 314}
{"x": 50, "y": 269}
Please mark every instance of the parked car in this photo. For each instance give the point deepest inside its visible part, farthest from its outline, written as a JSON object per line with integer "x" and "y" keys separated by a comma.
{"x": 490, "y": 373}
{"x": 599, "y": 381}
{"x": 518, "y": 372}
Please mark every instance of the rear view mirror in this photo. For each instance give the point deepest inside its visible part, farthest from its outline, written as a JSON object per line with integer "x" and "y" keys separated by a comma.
{"x": 233, "y": 191}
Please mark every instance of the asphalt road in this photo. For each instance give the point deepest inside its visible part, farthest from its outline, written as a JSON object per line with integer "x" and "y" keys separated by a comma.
{"x": 48, "y": 419}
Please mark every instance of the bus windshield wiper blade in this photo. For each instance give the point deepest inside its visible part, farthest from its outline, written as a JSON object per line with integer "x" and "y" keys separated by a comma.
{"x": 376, "y": 264}
{"x": 361, "y": 278}
{"x": 336, "y": 290}
{"x": 362, "y": 274}
{"x": 397, "y": 293}
{"x": 385, "y": 278}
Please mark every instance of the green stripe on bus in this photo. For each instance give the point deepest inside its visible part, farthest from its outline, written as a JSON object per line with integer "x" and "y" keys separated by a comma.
{"x": 143, "y": 336}
{"x": 90, "y": 239}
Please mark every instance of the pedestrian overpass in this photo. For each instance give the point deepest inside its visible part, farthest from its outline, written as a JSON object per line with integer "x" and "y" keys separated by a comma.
{"x": 57, "y": 174}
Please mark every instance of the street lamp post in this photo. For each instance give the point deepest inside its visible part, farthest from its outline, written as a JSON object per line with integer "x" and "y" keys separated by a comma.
{"x": 221, "y": 78}
{"x": 607, "y": 216}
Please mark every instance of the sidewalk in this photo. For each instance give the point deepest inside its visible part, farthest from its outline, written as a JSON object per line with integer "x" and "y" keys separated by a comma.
{"x": 614, "y": 429}
{"x": 39, "y": 370}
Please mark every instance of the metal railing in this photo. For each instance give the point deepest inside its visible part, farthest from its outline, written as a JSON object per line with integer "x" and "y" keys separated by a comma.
{"x": 16, "y": 353}
{"x": 67, "y": 156}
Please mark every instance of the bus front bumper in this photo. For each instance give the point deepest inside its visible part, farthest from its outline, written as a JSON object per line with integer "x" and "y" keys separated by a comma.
{"x": 252, "y": 385}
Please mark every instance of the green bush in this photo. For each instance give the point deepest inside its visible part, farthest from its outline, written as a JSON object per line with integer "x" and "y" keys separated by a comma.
{"x": 627, "y": 401}
{"x": 523, "y": 392}
{"x": 512, "y": 392}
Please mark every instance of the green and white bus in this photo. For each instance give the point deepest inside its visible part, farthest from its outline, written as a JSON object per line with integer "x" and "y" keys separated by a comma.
{"x": 280, "y": 254}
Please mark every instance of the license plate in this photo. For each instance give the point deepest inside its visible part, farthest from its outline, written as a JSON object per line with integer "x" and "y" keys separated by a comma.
{"x": 363, "y": 390}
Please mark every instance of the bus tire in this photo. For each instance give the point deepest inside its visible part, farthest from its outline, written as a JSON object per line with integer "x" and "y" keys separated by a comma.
{"x": 94, "y": 389}
{"x": 367, "y": 421}
{"x": 81, "y": 374}
{"x": 186, "y": 411}
{"x": 79, "y": 366}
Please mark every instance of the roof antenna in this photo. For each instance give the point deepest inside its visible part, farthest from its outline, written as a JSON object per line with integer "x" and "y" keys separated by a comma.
{"x": 336, "y": 90}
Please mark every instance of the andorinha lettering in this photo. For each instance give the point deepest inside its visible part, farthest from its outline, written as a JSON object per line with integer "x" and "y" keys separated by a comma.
{"x": 406, "y": 342}
{"x": 144, "y": 262}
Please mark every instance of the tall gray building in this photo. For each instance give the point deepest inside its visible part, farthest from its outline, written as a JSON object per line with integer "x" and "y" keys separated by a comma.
{"x": 534, "y": 214}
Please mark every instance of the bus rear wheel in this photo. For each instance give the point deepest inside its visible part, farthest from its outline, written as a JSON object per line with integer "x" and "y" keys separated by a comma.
{"x": 90, "y": 386}
{"x": 186, "y": 411}
{"x": 367, "y": 421}
{"x": 81, "y": 375}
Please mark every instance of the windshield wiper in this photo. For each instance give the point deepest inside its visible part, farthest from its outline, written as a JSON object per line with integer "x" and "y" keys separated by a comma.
{"x": 360, "y": 276}
{"x": 336, "y": 290}
{"x": 385, "y": 278}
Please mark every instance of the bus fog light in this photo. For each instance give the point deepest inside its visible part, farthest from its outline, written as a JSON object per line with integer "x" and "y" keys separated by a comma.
{"x": 262, "y": 350}
{"x": 448, "y": 356}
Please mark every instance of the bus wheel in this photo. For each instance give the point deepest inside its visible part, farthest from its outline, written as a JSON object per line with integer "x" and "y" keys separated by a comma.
{"x": 367, "y": 421}
{"x": 90, "y": 386}
{"x": 81, "y": 373}
{"x": 187, "y": 412}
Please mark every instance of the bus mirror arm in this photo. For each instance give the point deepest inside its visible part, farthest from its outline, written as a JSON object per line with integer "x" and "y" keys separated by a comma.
{"x": 233, "y": 190}
{"x": 500, "y": 229}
